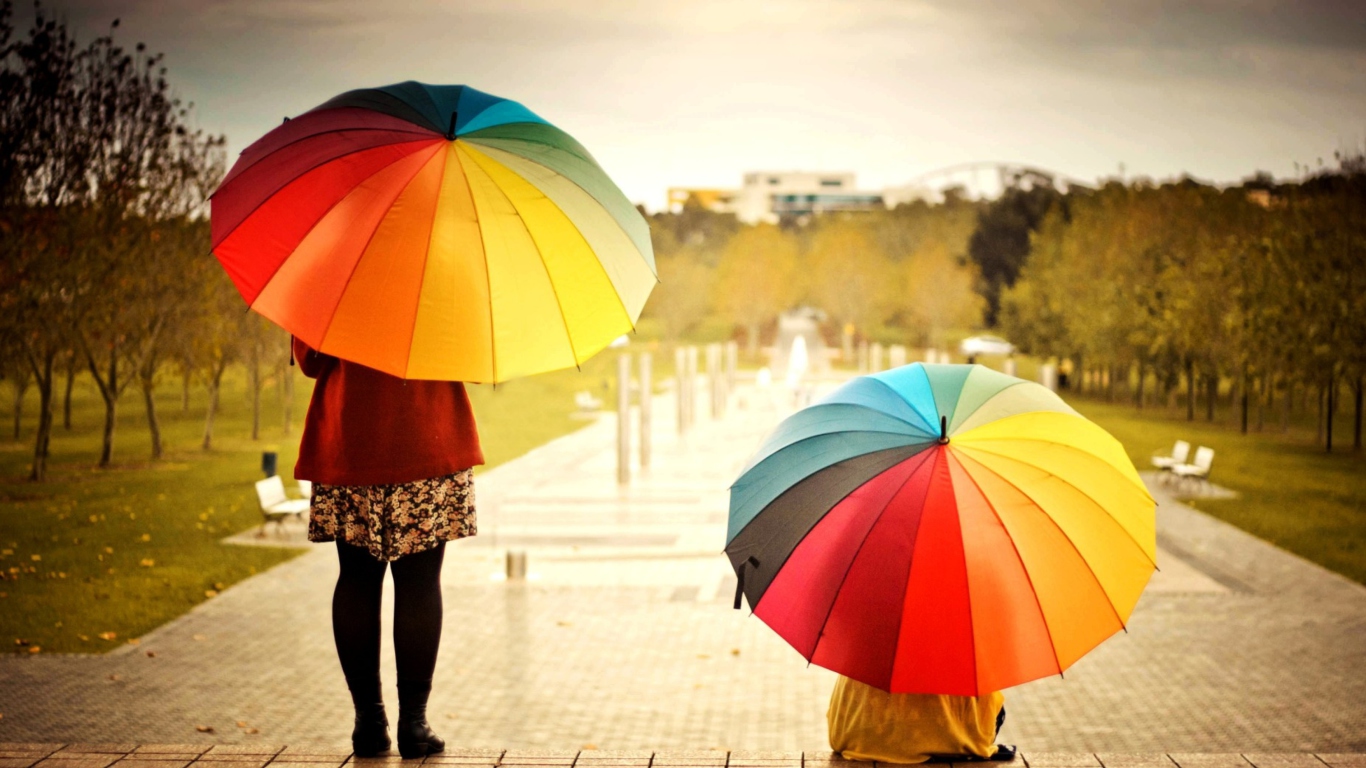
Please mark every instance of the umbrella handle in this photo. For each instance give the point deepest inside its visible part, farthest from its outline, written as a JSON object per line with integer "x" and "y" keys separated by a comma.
{"x": 740, "y": 579}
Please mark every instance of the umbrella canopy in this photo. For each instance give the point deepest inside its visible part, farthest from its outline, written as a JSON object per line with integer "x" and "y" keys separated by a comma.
{"x": 433, "y": 232}
{"x": 941, "y": 529}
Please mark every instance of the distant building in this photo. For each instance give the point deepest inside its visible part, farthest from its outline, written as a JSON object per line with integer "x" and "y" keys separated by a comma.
{"x": 772, "y": 196}
{"x": 716, "y": 200}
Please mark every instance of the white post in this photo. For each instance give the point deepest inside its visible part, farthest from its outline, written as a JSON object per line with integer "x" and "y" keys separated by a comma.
{"x": 624, "y": 419}
{"x": 714, "y": 378}
{"x": 863, "y": 357}
{"x": 1008, "y": 367}
{"x": 931, "y": 355}
{"x": 896, "y": 356}
{"x": 646, "y": 396}
{"x": 692, "y": 385}
{"x": 680, "y": 387}
{"x": 1048, "y": 376}
{"x": 732, "y": 364}
{"x": 875, "y": 357}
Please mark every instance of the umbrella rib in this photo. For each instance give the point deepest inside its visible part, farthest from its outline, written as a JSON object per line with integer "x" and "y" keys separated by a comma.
{"x": 1091, "y": 498}
{"x": 304, "y": 173}
{"x": 416, "y": 132}
{"x": 907, "y": 587}
{"x": 1020, "y": 558}
{"x": 959, "y": 420}
{"x": 488, "y": 281}
{"x": 1139, "y": 485}
{"x": 616, "y": 294}
{"x": 1110, "y": 601}
{"x": 831, "y": 608}
{"x": 368, "y": 240}
{"x": 421, "y": 283}
{"x": 329, "y": 210}
{"x": 930, "y": 430}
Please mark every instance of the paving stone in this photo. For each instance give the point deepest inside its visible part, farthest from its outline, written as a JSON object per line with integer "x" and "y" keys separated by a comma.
{"x": 83, "y": 761}
{"x": 1060, "y": 760}
{"x": 599, "y": 649}
{"x": 1283, "y": 760}
{"x": 102, "y": 748}
{"x": 179, "y": 749}
{"x": 1134, "y": 760}
{"x": 165, "y": 756}
{"x": 293, "y": 762}
{"x": 466, "y": 752}
{"x": 29, "y": 747}
{"x": 1210, "y": 760}
{"x": 240, "y": 761}
{"x": 1344, "y": 760}
{"x": 134, "y": 762}
{"x": 14, "y": 761}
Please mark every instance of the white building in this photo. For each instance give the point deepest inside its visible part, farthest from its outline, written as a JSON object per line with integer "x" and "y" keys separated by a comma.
{"x": 770, "y": 196}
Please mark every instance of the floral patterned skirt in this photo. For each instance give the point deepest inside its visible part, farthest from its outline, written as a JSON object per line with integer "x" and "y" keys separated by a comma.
{"x": 394, "y": 520}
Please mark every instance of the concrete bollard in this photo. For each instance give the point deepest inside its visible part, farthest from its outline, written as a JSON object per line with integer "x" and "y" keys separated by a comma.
{"x": 875, "y": 357}
{"x": 896, "y": 356}
{"x": 714, "y": 379}
{"x": 646, "y": 406}
{"x": 692, "y": 386}
{"x": 516, "y": 564}
{"x": 680, "y": 378}
{"x": 863, "y": 357}
{"x": 1008, "y": 367}
{"x": 624, "y": 419}
{"x": 1048, "y": 376}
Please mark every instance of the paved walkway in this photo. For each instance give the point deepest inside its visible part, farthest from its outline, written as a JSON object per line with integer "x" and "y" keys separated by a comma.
{"x": 623, "y": 637}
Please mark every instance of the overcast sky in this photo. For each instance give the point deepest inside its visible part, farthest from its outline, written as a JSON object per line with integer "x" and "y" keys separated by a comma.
{"x": 694, "y": 93}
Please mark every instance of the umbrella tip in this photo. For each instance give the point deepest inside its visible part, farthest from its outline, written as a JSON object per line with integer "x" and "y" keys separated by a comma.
{"x": 450, "y": 134}
{"x": 943, "y": 430}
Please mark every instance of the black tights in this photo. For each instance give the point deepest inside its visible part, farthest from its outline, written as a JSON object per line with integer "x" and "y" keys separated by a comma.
{"x": 417, "y": 617}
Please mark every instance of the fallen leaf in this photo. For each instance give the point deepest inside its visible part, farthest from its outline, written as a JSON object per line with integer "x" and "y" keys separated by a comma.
{"x": 450, "y": 715}
{"x": 116, "y": 678}
{"x": 589, "y": 746}
{"x": 201, "y": 637}
{"x": 34, "y": 649}
{"x": 84, "y": 638}
{"x": 20, "y": 641}
{"x": 35, "y": 558}
{"x": 204, "y": 728}
{"x": 735, "y": 651}
{"x": 147, "y": 562}
{"x": 561, "y": 623}
{"x": 251, "y": 730}
{"x": 146, "y": 537}
{"x": 109, "y": 550}
{"x": 218, "y": 585}
{"x": 241, "y": 723}
{"x": 109, "y": 635}
{"x": 134, "y": 640}
{"x": 703, "y": 656}
{"x": 210, "y": 593}
{"x": 151, "y": 654}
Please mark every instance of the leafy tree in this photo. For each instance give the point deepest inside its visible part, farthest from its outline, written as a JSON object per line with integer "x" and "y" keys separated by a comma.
{"x": 757, "y": 278}
{"x": 1000, "y": 244}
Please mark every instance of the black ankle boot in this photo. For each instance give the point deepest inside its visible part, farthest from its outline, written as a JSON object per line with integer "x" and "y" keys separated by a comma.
{"x": 371, "y": 734}
{"x": 415, "y": 737}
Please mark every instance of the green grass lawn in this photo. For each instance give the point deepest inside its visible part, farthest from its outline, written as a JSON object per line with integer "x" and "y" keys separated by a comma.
{"x": 1292, "y": 493}
{"x": 93, "y": 558}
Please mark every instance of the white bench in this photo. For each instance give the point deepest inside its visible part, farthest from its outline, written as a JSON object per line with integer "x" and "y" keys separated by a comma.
{"x": 275, "y": 505}
{"x": 1197, "y": 470}
{"x": 1180, "y": 452}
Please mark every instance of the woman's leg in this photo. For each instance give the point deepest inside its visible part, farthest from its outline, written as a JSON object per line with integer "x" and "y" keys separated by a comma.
{"x": 417, "y": 636}
{"x": 355, "y": 628}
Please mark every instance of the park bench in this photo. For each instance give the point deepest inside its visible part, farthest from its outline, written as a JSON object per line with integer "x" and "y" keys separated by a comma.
{"x": 275, "y": 505}
{"x": 1198, "y": 470}
{"x": 1180, "y": 452}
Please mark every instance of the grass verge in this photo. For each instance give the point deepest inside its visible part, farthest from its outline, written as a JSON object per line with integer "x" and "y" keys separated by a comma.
{"x": 93, "y": 558}
{"x": 1292, "y": 493}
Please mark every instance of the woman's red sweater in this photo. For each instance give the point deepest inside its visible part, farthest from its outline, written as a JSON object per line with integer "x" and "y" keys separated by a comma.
{"x": 365, "y": 427}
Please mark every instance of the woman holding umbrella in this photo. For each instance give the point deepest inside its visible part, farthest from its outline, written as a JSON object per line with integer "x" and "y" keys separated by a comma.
{"x": 390, "y": 461}
{"x": 412, "y": 237}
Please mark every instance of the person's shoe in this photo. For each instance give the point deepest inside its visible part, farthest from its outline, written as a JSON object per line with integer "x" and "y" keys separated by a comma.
{"x": 1004, "y": 753}
{"x": 371, "y": 734}
{"x": 415, "y": 736}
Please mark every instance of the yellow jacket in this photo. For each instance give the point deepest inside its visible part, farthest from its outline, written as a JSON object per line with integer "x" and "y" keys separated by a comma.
{"x": 869, "y": 724}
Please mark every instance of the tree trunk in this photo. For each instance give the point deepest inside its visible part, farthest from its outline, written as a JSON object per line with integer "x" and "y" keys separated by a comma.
{"x": 1138, "y": 391}
{"x": 1318, "y": 437}
{"x": 109, "y": 391}
{"x": 42, "y": 442}
{"x": 1285, "y": 405}
{"x": 1328, "y": 422}
{"x": 153, "y": 425}
{"x": 255, "y": 375}
{"x": 185, "y": 389}
{"x": 66, "y": 398}
{"x": 21, "y": 381}
{"x": 1263, "y": 399}
{"x": 287, "y": 386}
{"x": 214, "y": 386}
{"x": 1211, "y": 392}
{"x": 1190, "y": 390}
{"x": 1242, "y": 391}
{"x": 1356, "y": 420}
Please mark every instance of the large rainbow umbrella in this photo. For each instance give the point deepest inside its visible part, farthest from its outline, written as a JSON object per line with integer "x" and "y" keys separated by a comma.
{"x": 941, "y": 529}
{"x": 433, "y": 232}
